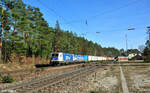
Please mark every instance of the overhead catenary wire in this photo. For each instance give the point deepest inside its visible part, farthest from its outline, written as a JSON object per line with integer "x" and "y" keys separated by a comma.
{"x": 85, "y": 21}
{"x": 105, "y": 12}
{"x": 52, "y": 10}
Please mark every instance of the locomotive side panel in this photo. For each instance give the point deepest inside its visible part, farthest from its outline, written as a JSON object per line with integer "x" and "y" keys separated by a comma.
{"x": 78, "y": 58}
{"x": 67, "y": 57}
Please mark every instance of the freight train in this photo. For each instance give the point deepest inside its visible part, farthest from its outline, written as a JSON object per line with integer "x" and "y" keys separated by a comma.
{"x": 67, "y": 58}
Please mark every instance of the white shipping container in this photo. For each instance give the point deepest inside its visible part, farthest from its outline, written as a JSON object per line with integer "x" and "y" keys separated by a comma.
{"x": 89, "y": 58}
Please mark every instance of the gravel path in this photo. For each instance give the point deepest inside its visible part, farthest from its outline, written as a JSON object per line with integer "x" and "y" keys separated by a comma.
{"x": 123, "y": 81}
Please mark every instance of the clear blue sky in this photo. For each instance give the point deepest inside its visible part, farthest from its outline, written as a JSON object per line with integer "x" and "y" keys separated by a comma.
{"x": 111, "y": 18}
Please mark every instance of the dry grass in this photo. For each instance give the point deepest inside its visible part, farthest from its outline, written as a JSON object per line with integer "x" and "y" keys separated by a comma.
{"x": 137, "y": 76}
{"x": 16, "y": 66}
{"x": 111, "y": 76}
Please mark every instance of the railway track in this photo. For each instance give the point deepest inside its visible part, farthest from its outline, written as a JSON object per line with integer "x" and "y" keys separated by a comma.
{"x": 47, "y": 83}
{"x": 23, "y": 74}
{"x": 53, "y": 87}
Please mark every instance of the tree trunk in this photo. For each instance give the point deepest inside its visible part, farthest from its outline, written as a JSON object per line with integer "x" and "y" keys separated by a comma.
{"x": 5, "y": 58}
{"x": 0, "y": 52}
{"x": 19, "y": 59}
{"x": 25, "y": 57}
{"x": 1, "y": 32}
{"x": 33, "y": 58}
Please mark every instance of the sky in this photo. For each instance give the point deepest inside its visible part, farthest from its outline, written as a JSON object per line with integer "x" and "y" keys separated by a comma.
{"x": 111, "y": 18}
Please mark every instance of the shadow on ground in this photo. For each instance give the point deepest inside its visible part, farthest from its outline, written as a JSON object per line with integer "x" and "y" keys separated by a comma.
{"x": 43, "y": 65}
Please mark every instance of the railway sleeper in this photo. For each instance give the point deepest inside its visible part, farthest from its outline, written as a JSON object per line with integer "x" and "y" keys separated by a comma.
{"x": 65, "y": 79}
{"x": 45, "y": 79}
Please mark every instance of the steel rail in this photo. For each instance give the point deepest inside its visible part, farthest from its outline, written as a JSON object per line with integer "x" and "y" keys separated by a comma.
{"x": 29, "y": 85}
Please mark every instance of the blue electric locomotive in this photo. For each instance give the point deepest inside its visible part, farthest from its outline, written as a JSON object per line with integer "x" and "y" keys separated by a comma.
{"x": 66, "y": 58}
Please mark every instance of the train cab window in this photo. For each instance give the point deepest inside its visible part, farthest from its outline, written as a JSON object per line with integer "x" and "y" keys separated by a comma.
{"x": 54, "y": 55}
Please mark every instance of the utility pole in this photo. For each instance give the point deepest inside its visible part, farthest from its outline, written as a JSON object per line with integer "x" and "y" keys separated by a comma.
{"x": 1, "y": 30}
{"x": 148, "y": 31}
{"x": 126, "y": 42}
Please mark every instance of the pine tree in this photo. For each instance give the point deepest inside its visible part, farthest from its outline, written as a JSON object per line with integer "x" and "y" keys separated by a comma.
{"x": 27, "y": 33}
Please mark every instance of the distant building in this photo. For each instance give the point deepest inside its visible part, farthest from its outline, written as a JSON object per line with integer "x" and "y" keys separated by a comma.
{"x": 132, "y": 55}
{"x": 122, "y": 59}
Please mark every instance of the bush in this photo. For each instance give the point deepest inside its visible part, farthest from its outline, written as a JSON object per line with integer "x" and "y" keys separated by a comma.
{"x": 93, "y": 92}
{"x": 1, "y": 76}
{"x": 8, "y": 79}
{"x": 42, "y": 69}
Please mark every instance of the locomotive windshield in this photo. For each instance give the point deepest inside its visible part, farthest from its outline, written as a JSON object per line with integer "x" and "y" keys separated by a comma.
{"x": 54, "y": 55}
